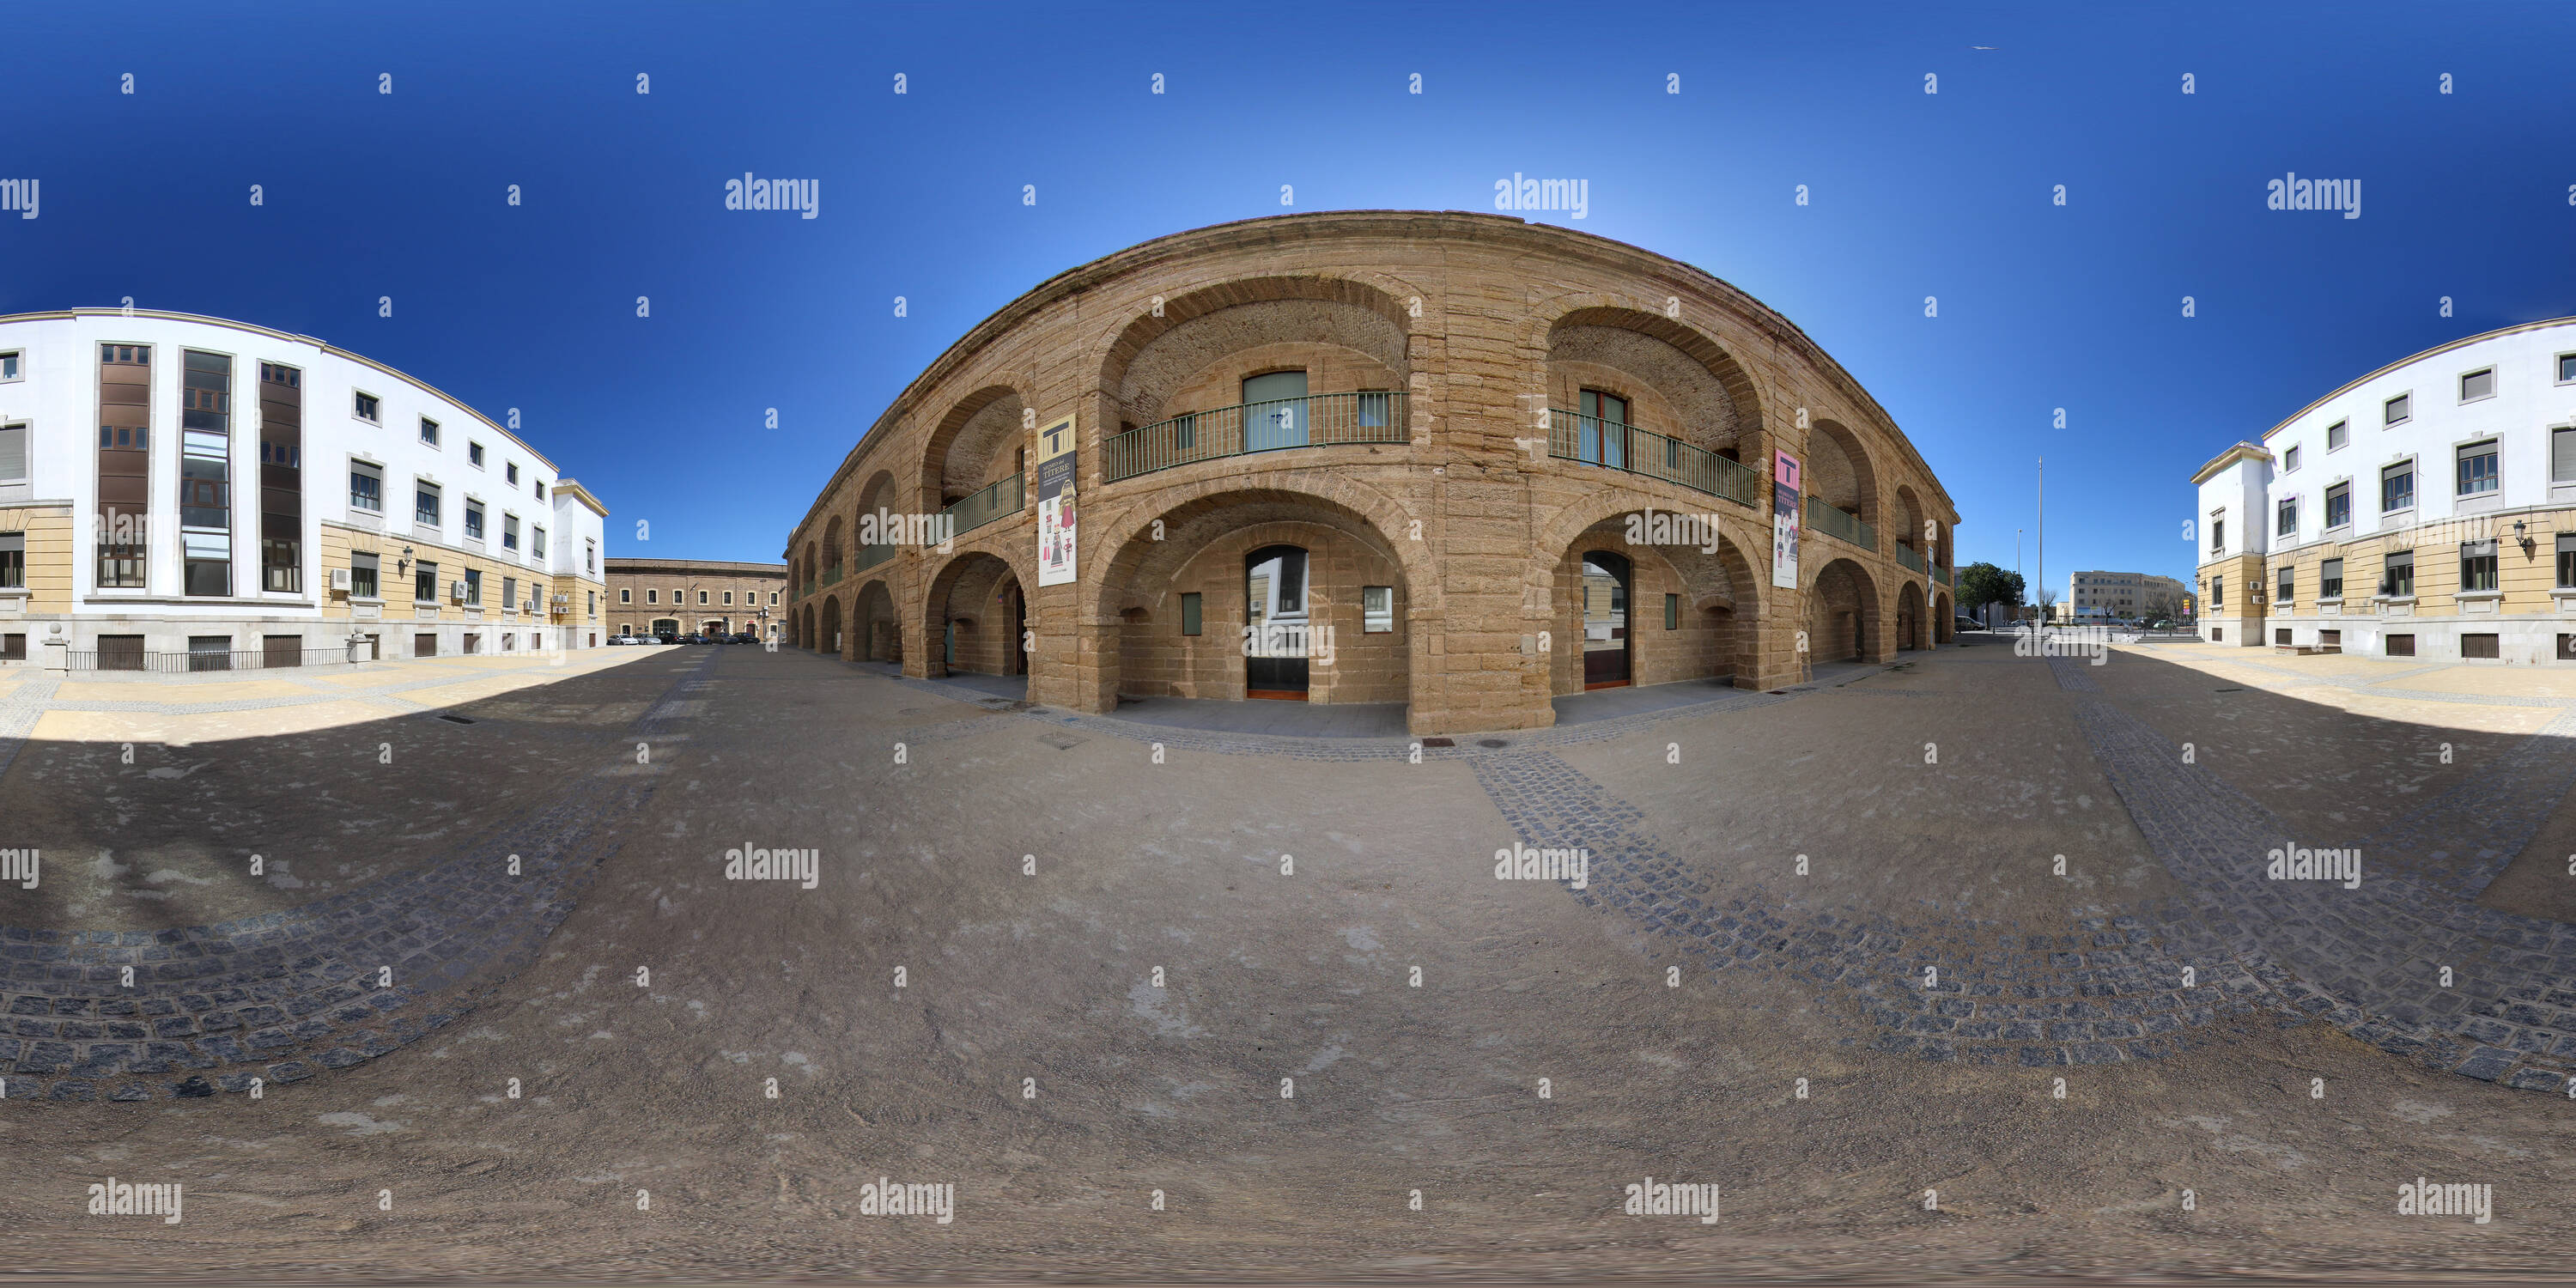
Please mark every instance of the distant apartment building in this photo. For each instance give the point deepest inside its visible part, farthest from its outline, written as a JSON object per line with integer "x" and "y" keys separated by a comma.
{"x": 188, "y": 493}
{"x": 2427, "y": 509}
{"x": 2098, "y": 595}
{"x": 695, "y": 596}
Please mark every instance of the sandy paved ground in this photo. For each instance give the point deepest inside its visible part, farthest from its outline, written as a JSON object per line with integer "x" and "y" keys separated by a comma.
{"x": 1010, "y": 976}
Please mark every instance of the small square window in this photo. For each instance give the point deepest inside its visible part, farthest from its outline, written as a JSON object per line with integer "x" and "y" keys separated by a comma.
{"x": 1377, "y": 609}
{"x": 511, "y": 473}
{"x": 1672, "y": 612}
{"x": 9, "y": 365}
{"x": 2396, "y": 410}
{"x": 2290, "y": 461}
{"x": 2567, "y": 368}
{"x": 474, "y": 454}
{"x": 429, "y": 431}
{"x": 2401, "y": 646}
{"x": 1190, "y": 613}
{"x": 363, "y": 406}
{"x": 2477, "y": 385}
{"x": 2336, "y": 433}
{"x": 626, "y": 595}
{"x": 652, "y": 596}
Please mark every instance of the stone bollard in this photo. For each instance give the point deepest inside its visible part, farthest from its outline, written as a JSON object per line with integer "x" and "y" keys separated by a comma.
{"x": 58, "y": 649}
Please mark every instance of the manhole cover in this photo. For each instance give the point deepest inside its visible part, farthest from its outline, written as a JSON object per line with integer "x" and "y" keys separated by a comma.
{"x": 456, "y": 720}
{"x": 1491, "y": 742}
{"x": 1060, "y": 741}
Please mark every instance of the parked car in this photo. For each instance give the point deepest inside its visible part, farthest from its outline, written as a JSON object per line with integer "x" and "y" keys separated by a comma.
{"x": 668, "y": 637}
{"x": 615, "y": 640}
{"x": 745, "y": 637}
{"x": 1964, "y": 622}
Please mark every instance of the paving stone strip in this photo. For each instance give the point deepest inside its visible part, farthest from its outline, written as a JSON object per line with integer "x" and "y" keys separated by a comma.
{"x": 2371, "y": 960}
{"x": 285, "y": 995}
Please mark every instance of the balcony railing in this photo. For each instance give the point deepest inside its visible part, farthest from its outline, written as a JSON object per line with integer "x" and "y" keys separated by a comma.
{"x": 871, "y": 556}
{"x": 1573, "y": 436}
{"x": 1006, "y": 496}
{"x": 1835, "y": 522}
{"x": 832, "y": 575}
{"x": 1906, "y": 556}
{"x": 1941, "y": 575}
{"x": 1316, "y": 420}
{"x": 167, "y": 663}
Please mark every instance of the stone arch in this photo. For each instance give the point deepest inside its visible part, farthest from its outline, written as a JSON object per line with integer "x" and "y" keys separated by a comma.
{"x": 1145, "y": 362}
{"x": 1741, "y": 529}
{"x": 1842, "y": 622}
{"x": 989, "y": 641}
{"x": 1704, "y": 396}
{"x": 1838, "y": 470}
{"x": 832, "y": 545}
{"x": 1714, "y": 621}
{"x": 992, "y": 413}
{"x": 1945, "y": 622}
{"x": 879, "y": 490}
{"x": 877, "y": 623}
{"x": 831, "y": 637}
{"x": 1134, "y": 603}
{"x": 1909, "y": 518}
{"x": 1913, "y": 627}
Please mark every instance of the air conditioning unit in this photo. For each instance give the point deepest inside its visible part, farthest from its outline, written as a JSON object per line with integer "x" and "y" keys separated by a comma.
{"x": 563, "y": 601}
{"x": 456, "y": 591}
{"x": 340, "y": 579}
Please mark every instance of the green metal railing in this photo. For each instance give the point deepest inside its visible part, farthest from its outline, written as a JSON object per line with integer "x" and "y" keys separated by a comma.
{"x": 1005, "y": 497}
{"x": 871, "y": 556}
{"x": 1316, "y": 420}
{"x": 1835, "y": 522}
{"x": 1941, "y": 575}
{"x": 1573, "y": 436}
{"x": 832, "y": 575}
{"x": 1906, "y": 556}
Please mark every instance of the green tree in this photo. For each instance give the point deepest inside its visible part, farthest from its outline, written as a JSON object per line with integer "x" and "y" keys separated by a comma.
{"x": 1980, "y": 584}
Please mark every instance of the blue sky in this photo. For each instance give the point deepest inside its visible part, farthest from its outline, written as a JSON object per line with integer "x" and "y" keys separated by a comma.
{"x": 2465, "y": 195}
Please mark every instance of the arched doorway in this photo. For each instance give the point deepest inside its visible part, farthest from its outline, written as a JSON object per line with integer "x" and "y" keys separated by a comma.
{"x": 978, "y": 618}
{"x": 1277, "y": 626}
{"x": 1609, "y": 647}
{"x": 666, "y": 626}
{"x": 880, "y": 631}
{"x": 831, "y": 632}
{"x": 1912, "y": 631}
{"x": 1842, "y": 614}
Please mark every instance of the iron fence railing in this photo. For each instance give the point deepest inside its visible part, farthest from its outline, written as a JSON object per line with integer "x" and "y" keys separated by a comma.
{"x": 1573, "y": 436}
{"x": 1941, "y": 575}
{"x": 1906, "y": 556}
{"x": 176, "y": 663}
{"x": 832, "y": 575}
{"x": 871, "y": 556}
{"x": 1834, "y": 521}
{"x": 1004, "y": 496}
{"x": 1316, "y": 420}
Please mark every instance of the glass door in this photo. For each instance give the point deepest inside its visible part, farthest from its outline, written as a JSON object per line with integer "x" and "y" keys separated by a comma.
{"x": 1275, "y": 623}
{"x": 1608, "y": 646}
{"x": 1274, "y": 411}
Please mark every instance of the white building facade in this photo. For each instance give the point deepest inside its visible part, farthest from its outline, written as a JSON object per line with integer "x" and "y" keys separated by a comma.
{"x": 175, "y": 490}
{"x": 2426, "y": 510}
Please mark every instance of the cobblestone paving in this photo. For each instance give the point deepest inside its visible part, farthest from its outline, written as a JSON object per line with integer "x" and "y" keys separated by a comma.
{"x": 286, "y": 995}
{"x": 2095, "y": 992}
{"x": 2371, "y": 960}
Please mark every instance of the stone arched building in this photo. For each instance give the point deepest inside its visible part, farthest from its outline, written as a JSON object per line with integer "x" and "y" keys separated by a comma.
{"x": 1376, "y": 456}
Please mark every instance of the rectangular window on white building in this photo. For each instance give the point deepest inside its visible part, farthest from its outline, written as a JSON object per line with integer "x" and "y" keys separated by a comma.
{"x": 13, "y": 453}
{"x": 2477, "y": 385}
{"x": 2330, "y": 579}
{"x": 2290, "y": 461}
{"x": 2338, "y": 506}
{"x": 2478, "y": 468}
{"x": 2336, "y": 433}
{"x": 2397, "y": 487}
{"x": 2562, "y": 456}
{"x": 2288, "y": 526}
{"x": 2394, "y": 411}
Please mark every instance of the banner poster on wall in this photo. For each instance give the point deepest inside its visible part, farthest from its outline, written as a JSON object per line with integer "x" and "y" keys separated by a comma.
{"x": 1784, "y": 521}
{"x": 1056, "y": 459}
